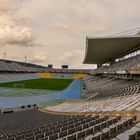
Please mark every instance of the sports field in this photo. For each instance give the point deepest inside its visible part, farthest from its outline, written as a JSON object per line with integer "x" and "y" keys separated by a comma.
{"x": 42, "y": 83}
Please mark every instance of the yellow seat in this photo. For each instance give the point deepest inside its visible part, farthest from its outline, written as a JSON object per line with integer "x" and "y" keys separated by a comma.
{"x": 79, "y": 76}
{"x": 45, "y": 75}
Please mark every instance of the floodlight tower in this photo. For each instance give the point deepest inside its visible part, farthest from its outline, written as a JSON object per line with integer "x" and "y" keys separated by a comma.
{"x": 25, "y": 60}
{"x": 4, "y": 55}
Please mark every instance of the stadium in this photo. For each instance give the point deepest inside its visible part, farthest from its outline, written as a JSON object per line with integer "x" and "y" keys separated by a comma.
{"x": 53, "y": 89}
{"x": 44, "y": 103}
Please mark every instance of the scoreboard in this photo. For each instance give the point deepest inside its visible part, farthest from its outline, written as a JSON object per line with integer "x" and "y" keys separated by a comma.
{"x": 50, "y": 66}
{"x": 64, "y": 66}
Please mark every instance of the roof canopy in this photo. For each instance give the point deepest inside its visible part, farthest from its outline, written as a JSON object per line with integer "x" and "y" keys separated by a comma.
{"x": 102, "y": 50}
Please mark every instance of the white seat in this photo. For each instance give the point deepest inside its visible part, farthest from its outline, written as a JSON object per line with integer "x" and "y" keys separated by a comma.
{"x": 136, "y": 129}
{"x": 138, "y": 125}
{"x": 99, "y": 134}
{"x": 88, "y": 137}
{"x": 130, "y": 133}
{"x": 123, "y": 137}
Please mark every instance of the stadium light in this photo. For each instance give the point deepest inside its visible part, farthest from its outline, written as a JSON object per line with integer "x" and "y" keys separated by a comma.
{"x": 25, "y": 60}
{"x": 4, "y": 55}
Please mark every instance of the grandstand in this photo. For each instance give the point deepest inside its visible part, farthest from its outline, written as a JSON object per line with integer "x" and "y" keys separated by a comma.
{"x": 45, "y": 75}
{"x": 6, "y": 77}
{"x": 14, "y": 66}
{"x": 79, "y": 75}
{"x": 107, "y": 109}
{"x": 113, "y": 88}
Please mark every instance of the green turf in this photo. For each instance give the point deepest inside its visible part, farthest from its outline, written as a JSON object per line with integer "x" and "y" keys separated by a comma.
{"x": 42, "y": 83}
{"x": 19, "y": 92}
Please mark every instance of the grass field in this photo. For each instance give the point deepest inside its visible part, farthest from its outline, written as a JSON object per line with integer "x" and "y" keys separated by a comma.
{"x": 42, "y": 83}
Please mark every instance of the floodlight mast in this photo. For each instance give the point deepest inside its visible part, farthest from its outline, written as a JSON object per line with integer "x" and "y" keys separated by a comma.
{"x": 25, "y": 60}
{"x": 4, "y": 55}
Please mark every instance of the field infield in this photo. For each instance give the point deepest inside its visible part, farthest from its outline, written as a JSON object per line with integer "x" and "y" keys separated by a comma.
{"x": 41, "y": 83}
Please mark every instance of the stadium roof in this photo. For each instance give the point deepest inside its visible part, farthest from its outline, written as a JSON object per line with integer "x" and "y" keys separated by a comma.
{"x": 102, "y": 50}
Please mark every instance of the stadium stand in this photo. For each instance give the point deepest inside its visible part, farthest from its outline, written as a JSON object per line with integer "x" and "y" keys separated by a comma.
{"x": 11, "y": 66}
{"x": 127, "y": 103}
{"x": 13, "y": 76}
{"x": 61, "y": 126}
{"x": 79, "y": 75}
{"x": 110, "y": 87}
{"x": 8, "y": 77}
{"x": 130, "y": 64}
{"x": 45, "y": 75}
{"x": 70, "y": 71}
{"x": 61, "y": 75}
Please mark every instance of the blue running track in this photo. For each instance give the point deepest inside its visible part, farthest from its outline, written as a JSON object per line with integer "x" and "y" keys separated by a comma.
{"x": 71, "y": 92}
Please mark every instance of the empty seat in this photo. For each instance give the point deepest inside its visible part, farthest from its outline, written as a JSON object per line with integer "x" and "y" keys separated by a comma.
{"x": 71, "y": 131}
{"x": 29, "y": 138}
{"x": 53, "y": 137}
{"x": 39, "y": 136}
{"x": 97, "y": 136}
{"x": 105, "y": 133}
{"x": 63, "y": 134}
{"x": 122, "y": 137}
{"x": 89, "y": 131}
{"x": 137, "y": 131}
{"x": 132, "y": 134}
{"x": 112, "y": 129}
{"x": 72, "y": 137}
{"x": 97, "y": 127}
{"x": 81, "y": 134}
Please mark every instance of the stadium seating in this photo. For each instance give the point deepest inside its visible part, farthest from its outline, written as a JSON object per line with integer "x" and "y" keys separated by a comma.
{"x": 61, "y": 75}
{"x": 8, "y": 77}
{"x": 45, "y": 75}
{"x": 70, "y": 71}
{"x": 12, "y": 66}
{"x": 110, "y": 87}
{"x": 37, "y": 125}
{"x": 127, "y": 103}
{"x": 79, "y": 75}
{"x": 124, "y": 65}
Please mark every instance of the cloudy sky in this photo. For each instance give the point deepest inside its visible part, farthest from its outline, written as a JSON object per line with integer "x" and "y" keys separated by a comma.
{"x": 54, "y": 31}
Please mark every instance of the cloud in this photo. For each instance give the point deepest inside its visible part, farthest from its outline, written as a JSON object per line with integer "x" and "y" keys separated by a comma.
{"x": 74, "y": 59}
{"x": 70, "y": 57}
{"x": 15, "y": 35}
{"x": 11, "y": 32}
{"x": 61, "y": 26}
{"x": 99, "y": 27}
{"x": 40, "y": 57}
{"x": 7, "y": 6}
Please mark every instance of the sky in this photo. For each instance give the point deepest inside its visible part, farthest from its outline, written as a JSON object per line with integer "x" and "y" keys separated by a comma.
{"x": 54, "y": 31}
